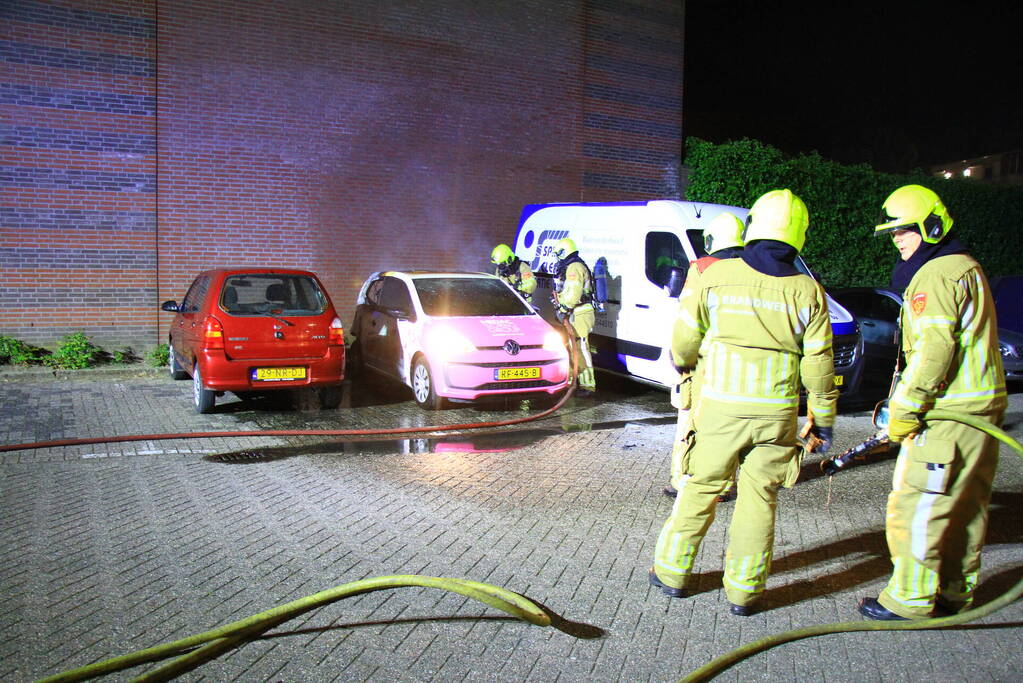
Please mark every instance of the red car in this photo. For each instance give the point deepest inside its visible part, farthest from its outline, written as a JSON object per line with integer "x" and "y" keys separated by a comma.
{"x": 254, "y": 330}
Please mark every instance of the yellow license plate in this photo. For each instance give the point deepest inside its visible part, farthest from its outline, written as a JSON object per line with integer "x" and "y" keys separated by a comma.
{"x": 517, "y": 373}
{"x": 838, "y": 380}
{"x": 277, "y": 374}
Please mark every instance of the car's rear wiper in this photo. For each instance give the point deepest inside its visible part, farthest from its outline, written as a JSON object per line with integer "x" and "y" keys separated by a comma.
{"x": 271, "y": 315}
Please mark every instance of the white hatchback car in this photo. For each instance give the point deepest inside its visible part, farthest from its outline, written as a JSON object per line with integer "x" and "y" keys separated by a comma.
{"x": 460, "y": 336}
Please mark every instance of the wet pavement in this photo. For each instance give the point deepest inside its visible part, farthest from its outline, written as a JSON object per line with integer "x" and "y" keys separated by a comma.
{"x": 109, "y": 548}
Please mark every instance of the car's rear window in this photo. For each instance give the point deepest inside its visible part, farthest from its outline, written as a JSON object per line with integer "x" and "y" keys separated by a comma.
{"x": 263, "y": 293}
{"x": 454, "y": 297}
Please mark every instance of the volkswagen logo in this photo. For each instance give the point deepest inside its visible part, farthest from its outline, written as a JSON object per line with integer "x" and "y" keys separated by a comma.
{"x": 512, "y": 347}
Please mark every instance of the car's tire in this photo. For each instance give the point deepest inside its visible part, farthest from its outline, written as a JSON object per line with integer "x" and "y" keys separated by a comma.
{"x": 202, "y": 398}
{"x": 330, "y": 397}
{"x": 423, "y": 389}
{"x": 176, "y": 370}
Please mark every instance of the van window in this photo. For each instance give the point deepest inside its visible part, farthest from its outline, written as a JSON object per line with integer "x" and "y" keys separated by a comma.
{"x": 664, "y": 252}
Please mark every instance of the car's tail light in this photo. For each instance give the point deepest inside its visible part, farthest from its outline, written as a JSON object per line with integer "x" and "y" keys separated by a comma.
{"x": 336, "y": 333}
{"x": 213, "y": 334}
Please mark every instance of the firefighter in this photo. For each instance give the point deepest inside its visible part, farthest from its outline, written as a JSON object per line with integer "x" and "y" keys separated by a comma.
{"x": 573, "y": 301}
{"x": 514, "y": 271}
{"x": 937, "y": 509}
{"x": 722, "y": 239}
{"x": 759, "y": 327}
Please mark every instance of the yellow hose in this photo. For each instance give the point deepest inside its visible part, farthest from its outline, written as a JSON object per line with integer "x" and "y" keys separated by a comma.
{"x": 204, "y": 647}
{"x": 716, "y": 666}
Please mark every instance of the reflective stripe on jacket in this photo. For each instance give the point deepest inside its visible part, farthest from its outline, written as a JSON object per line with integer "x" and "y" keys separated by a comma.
{"x": 764, "y": 335}
{"x": 950, "y": 340}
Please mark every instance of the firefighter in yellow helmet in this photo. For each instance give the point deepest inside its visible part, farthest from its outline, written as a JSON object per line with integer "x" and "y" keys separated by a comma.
{"x": 759, "y": 328}
{"x": 937, "y": 510}
{"x": 722, "y": 239}
{"x": 514, "y": 271}
{"x": 573, "y": 300}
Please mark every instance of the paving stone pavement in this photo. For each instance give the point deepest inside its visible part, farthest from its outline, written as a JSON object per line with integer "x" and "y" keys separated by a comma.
{"x": 110, "y": 548}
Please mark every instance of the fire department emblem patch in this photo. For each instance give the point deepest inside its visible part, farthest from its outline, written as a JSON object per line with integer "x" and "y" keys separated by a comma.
{"x": 919, "y": 303}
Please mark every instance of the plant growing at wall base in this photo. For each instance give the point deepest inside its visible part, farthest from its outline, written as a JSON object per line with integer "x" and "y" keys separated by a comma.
{"x": 159, "y": 356}
{"x": 75, "y": 352}
{"x": 16, "y": 352}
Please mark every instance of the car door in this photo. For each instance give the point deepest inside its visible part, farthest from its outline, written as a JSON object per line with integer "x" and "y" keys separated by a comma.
{"x": 648, "y": 309}
{"x": 187, "y": 327}
{"x": 390, "y": 303}
{"x": 880, "y": 325}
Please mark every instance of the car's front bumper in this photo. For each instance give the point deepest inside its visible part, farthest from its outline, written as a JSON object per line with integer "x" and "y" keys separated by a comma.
{"x": 475, "y": 379}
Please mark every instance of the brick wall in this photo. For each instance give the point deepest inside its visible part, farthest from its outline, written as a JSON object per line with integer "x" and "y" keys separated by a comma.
{"x": 344, "y": 137}
{"x": 78, "y": 171}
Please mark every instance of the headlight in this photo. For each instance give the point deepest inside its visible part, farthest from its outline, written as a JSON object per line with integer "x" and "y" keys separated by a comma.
{"x": 446, "y": 342}
{"x": 554, "y": 342}
{"x": 1006, "y": 350}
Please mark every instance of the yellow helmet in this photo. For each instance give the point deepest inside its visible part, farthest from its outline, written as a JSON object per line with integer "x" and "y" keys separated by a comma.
{"x": 564, "y": 247}
{"x": 778, "y": 215}
{"x": 915, "y": 207}
{"x": 502, "y": 254}
{"x": 724, "y": 231}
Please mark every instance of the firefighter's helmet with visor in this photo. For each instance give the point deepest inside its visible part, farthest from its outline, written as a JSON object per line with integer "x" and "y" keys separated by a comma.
{"x": 778, "y": 215}
{"x": 502, "y": 255}
{"x": 564, "y": 248}
{"x": 724, "y": 231}
{"x": 914, "y": 207}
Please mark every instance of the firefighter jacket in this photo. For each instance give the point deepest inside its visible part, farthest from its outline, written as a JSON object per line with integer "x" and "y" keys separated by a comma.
{"x": 520, "y": 276}
{"x": 950, "y": 341}
{"x": 764, "y": 335}
{"x": 574, "y": 278}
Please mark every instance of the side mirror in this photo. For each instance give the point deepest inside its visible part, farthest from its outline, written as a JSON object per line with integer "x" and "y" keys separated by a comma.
{"x": 170, "y": 306}
{"x": 676, "y": 279}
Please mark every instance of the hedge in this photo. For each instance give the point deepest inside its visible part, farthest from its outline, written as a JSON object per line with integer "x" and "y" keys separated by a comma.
{"x": 845, "y": 201}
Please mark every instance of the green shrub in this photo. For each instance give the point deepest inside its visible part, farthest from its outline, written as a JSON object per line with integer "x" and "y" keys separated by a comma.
{"x": 845, "y": 204}
{"x": 159, "y": 356}
{"x": 16, "y": 352}
{"x": 75, "y": 352}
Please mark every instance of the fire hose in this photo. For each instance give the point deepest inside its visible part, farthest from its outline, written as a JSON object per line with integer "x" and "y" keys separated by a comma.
{"x": 319, "y": 432}
{"x": 716, "y": 666}
{"x": 198, "y": 649}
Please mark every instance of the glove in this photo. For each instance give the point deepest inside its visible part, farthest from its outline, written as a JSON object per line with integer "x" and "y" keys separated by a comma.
{"x": 825, "y": 434}
{"x": 906, "y": 427}
{"x": 561, "y": 313}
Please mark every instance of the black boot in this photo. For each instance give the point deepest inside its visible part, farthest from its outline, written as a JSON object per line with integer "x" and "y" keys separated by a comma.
{"x": 667, "y": 590}
{"x": 872, "y": 609}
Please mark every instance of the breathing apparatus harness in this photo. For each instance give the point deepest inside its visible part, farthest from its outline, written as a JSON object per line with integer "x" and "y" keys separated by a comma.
{"x": 562, "y": 311}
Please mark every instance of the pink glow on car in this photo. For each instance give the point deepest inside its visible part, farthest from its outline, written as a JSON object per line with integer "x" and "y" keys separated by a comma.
{"x": 460, "y": 336}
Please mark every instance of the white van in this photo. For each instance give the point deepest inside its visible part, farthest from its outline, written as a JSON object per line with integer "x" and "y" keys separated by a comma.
{"x": 642, "y": 242}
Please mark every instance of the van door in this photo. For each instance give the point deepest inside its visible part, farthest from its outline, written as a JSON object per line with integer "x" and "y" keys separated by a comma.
{"x": 648, "y": 311}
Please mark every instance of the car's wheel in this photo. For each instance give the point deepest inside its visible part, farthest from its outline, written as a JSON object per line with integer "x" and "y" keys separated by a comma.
{"x": 330, "y": 397}
{"x": 176, "y": 371}
{"x": 422, "y": 386}
{"x": 202, "y": 397}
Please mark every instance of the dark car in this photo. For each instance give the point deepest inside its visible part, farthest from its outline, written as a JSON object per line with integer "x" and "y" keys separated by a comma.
{"x": 877, "y": 311}
{"x": 254, "y": 330}
{"x": 1008, "y": 294}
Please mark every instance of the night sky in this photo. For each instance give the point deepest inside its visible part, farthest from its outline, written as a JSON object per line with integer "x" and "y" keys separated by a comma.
{"x": 894, "y": 84}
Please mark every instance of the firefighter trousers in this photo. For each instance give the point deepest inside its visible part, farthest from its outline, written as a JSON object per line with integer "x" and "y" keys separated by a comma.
{"x": 937, "y": 516}
{"x": 583, "y": 319}
{"x": 766, "y": 447}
